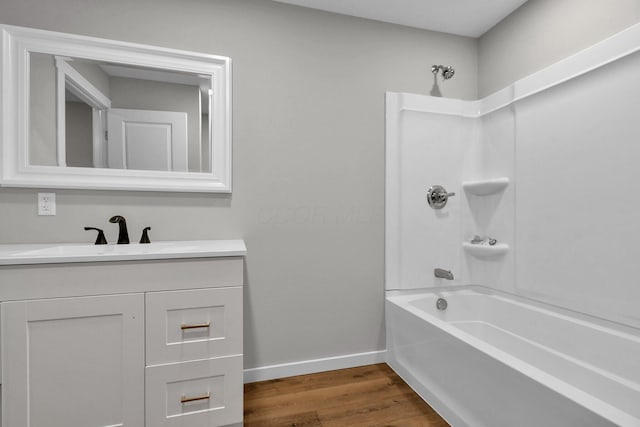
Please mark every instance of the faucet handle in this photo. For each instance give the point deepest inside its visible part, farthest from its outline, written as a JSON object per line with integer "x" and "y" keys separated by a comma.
{"x": 437, "y": 196}
{"x": 145, "y": 235}
{"x": 100, "y": 240}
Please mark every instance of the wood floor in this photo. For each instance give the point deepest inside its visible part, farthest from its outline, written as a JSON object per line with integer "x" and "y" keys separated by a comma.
{"x": 367, "y": 396}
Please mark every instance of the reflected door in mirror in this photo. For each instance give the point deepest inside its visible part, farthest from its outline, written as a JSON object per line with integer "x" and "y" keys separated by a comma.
{"x": 147, "y": 140}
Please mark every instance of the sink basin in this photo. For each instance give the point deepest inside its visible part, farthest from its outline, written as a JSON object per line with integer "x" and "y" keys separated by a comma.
{"x": 83, "y": 249}
{"x": 81, "y": 252}
{"x": 68, "y": 250}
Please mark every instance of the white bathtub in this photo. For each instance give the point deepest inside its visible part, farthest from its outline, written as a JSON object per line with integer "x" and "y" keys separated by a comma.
{"x": 495, "y": 360}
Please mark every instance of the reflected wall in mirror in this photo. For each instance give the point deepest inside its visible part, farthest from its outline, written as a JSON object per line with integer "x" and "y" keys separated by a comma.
{"x": 94, "y": 113}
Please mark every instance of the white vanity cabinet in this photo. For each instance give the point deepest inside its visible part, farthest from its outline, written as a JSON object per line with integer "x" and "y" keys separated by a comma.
{"x": 133, "y": 343}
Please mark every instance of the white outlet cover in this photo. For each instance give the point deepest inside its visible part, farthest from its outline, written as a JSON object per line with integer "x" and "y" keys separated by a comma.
{"x": 46, "y": 203}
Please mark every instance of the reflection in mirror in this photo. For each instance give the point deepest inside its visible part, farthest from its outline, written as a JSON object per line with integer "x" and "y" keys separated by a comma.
{"x": 97, "y": 114}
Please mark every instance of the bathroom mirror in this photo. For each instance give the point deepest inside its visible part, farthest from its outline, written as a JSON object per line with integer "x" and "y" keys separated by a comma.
{"x": 82, "y": 112}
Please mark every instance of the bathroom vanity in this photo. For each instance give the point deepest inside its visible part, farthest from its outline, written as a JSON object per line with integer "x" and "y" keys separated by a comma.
{"x": 122, "y": 335}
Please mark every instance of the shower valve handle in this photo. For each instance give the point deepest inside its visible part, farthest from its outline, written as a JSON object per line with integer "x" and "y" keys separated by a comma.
{"x": 437, "y": 197}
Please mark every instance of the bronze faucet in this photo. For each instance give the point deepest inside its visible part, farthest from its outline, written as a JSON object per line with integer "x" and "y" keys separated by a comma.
{"x": 123, "y": 235}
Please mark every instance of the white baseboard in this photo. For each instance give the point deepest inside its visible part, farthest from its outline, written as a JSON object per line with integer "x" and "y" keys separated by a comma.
{"x": 303, "y": 367}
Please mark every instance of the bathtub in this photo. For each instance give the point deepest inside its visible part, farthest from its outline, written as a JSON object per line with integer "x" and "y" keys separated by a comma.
{"x": 496, "y": 360}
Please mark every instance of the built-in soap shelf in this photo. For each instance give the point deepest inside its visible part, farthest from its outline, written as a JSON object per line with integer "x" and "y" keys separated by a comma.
{"x": 484, "y": 251}
{"x": 485, "y": 187}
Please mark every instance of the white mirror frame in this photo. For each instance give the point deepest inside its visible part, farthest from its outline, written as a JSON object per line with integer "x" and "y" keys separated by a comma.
{"x": 15, "y": 170}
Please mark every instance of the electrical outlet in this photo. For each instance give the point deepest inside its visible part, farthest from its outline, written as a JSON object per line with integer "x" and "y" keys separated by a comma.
{"x": 46, "y": 203}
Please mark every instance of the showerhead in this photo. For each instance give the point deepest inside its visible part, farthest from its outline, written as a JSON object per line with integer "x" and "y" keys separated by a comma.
{"x": 447, "y": 72}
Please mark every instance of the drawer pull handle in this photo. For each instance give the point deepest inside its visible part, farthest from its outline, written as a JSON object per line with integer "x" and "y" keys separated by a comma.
{"x": 186, "y": 399}
{"x": 196, "y": 326}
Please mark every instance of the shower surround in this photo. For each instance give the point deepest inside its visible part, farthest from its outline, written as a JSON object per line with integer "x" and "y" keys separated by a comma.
{"x": 548, "y": 168}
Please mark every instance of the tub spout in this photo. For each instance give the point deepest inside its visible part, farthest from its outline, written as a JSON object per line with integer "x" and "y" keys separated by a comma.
{"x": 443, "y": 274}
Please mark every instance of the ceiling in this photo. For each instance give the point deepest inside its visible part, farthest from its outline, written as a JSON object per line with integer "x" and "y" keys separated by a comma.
{"x": 470, "y": 18}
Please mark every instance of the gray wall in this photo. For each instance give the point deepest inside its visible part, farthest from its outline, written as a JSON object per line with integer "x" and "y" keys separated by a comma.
{"x": 42, "y": 111}
{"x": 308, "y": 107}
{"x": 542, "y": 32}
{"x": 78, "y": 134}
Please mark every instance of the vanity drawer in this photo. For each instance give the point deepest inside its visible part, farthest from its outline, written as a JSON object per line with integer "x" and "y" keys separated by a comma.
{"x": 198, "y": 393}
{"x": 193, "y": 324}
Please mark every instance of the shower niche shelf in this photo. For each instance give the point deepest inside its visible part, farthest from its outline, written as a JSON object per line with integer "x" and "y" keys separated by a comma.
{"x": 482, "y": 251}
{"x": 486, "y": 187}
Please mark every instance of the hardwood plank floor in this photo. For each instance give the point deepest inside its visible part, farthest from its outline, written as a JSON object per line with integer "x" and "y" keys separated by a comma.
{"x": 366, "y": 396}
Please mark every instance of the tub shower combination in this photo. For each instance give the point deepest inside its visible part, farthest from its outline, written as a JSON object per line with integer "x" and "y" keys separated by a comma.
{"x": 489, "y": 332}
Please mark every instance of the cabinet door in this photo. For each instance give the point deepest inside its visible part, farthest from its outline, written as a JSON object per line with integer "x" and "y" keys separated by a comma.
{"x": 73, "y": 362}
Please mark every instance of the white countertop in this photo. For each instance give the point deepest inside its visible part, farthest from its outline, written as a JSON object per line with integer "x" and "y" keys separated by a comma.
{"x": 16, "y": 254}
